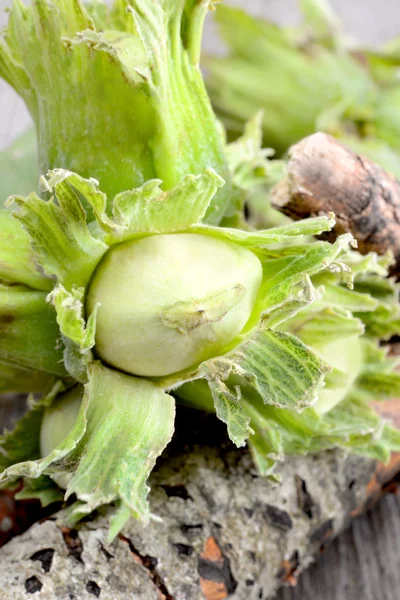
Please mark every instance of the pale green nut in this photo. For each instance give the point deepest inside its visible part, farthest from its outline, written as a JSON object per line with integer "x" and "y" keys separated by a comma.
{"x": 58, "y": 421}
{"x": 345, "y": 355}
{"x": 169, "y": 302}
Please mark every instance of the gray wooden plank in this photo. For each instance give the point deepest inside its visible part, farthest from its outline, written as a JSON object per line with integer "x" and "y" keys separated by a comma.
{"x": 361, "y": 563}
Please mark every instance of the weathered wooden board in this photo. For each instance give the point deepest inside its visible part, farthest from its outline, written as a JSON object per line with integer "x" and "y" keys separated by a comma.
{"x": 362, "y": 562}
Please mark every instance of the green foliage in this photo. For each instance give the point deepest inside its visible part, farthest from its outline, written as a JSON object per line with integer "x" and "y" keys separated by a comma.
{"x": 307, "y": 79}
{"x": 18, "y": 167}
{"x": 123, "y": 86}
{"x": 17, "y": 263}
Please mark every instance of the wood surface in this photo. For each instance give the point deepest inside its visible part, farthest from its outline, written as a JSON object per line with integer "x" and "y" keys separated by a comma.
{"x": 361, "y": 564}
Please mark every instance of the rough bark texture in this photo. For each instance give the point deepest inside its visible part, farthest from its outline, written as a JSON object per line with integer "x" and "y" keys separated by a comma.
{"x": 225, "y": 532}
{"x": 325, "y": 176}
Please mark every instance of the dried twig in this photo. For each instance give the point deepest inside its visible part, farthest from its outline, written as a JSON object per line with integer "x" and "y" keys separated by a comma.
{"x": 325, "y": 176}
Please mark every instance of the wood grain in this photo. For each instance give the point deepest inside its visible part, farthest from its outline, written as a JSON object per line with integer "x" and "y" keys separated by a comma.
{"x": 362, "y": 562}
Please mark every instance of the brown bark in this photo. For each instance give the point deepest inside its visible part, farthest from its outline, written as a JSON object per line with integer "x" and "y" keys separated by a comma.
{"x": 325, "y": 176}
{"x": 225, "y": 533}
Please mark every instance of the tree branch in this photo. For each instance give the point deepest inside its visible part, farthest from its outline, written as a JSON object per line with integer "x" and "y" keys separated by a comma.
{"x": 325, "y": 176}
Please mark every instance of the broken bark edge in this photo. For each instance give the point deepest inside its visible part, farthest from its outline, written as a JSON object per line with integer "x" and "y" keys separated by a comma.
{"x": 225, "y": 532}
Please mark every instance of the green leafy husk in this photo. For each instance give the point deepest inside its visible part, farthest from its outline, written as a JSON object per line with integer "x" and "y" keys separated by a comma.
{"x": 123, "y": 86}
{"x": 18, "y": 166}
{"x": 269, "y": 369}
{"x": 123, "y": 425}
{"x": 29, "y": 332}
{"x": 31, "y": 352}
{"x": 67, "y": 249}
{"x": 17, "y": 263}
{"x": 337, "y": 314}
{"x": 307, "y": 79}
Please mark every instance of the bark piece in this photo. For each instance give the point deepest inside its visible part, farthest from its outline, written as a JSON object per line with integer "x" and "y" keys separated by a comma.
{"x": 218, "y": 537}
{"x": 325, "y": 176}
